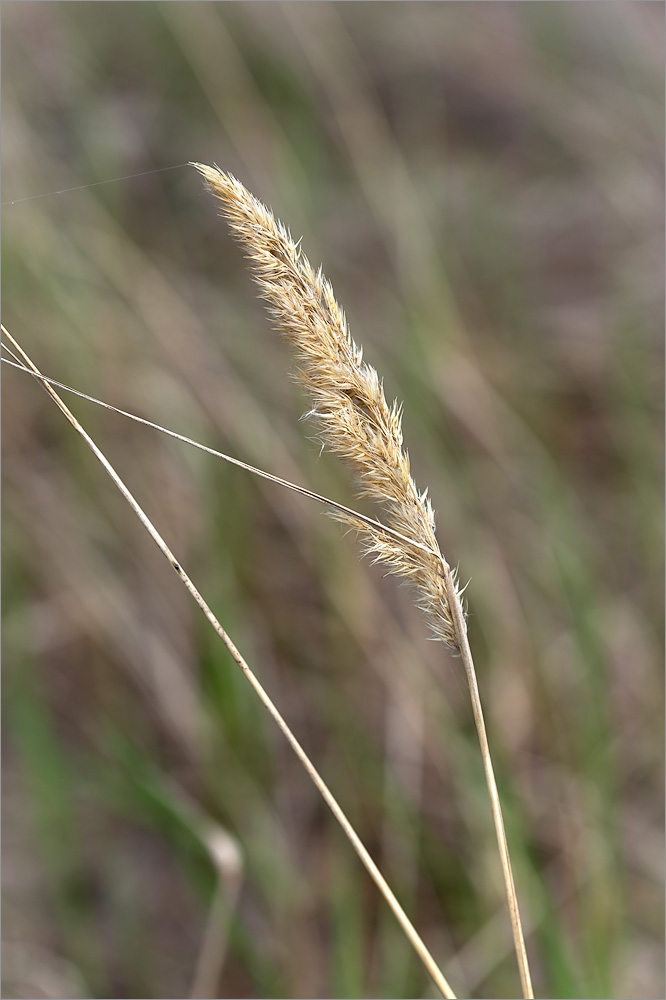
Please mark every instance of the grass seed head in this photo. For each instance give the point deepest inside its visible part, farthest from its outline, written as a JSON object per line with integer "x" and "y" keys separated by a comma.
{"x": 348, "y": 405}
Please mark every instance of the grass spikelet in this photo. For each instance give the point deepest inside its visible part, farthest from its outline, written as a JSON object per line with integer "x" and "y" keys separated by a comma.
{"x": 352, "y": 415}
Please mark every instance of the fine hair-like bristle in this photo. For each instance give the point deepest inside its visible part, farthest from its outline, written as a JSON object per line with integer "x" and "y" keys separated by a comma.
{"x": 352, "y": 415}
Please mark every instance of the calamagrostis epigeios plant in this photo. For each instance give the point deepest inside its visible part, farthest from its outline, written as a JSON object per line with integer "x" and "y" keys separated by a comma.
{"x": 355, "y": 421}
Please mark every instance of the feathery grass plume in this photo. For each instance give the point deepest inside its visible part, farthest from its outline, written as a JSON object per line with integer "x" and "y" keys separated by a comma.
{"x": 348, "y": 403}
{"x": 356, "y": 422}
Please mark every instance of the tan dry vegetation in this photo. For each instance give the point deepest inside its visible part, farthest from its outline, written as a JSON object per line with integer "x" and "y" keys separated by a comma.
{"x": 487, "y": 193}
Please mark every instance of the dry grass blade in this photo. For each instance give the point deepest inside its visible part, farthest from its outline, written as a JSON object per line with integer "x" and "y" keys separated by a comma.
{"x": 404, "y": 921}
{"x": 355, "y": 421}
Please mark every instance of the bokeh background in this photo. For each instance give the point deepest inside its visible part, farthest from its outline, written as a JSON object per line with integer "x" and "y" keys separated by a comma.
{"x": 483, "y": 184}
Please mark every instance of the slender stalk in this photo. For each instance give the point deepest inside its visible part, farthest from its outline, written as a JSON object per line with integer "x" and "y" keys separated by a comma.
{"x": 460, "y": 626}
{"x": 228, "y": 862}
{"x": 379, "y": 880}
{"x": 215, "y": 940}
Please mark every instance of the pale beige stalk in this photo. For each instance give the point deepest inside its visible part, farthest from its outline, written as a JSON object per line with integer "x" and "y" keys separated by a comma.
{"x": 355, "y": 421}
{"x": 402, "y": 918}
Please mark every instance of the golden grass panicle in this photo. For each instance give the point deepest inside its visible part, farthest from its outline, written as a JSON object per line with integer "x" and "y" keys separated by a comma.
{"x": 352, "y": 415}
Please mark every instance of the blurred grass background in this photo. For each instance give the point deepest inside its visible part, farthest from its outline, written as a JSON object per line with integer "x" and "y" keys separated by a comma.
{"x": 483, "y": 184}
